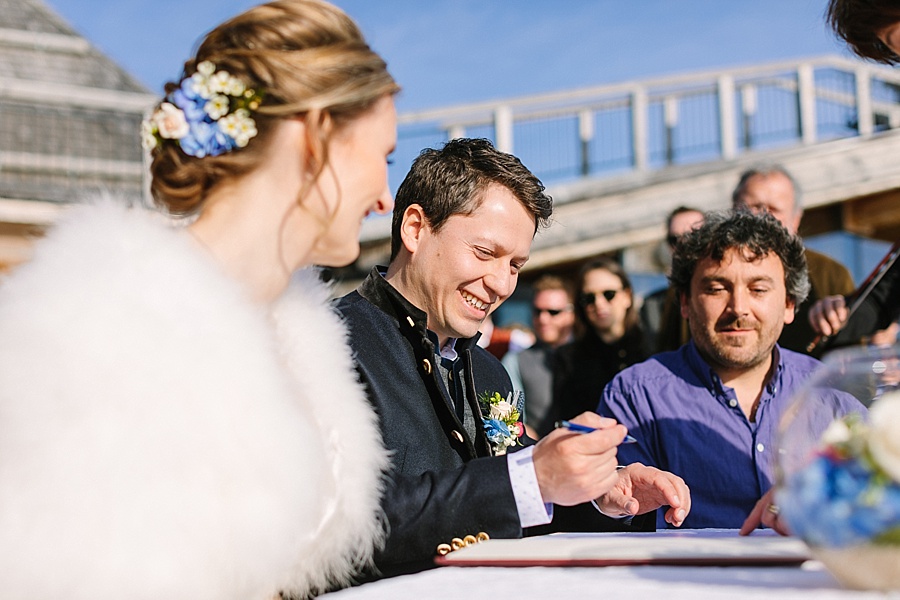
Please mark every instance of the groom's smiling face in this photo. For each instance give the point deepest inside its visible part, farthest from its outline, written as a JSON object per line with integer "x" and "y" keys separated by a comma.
{"x": 462, "y": 272}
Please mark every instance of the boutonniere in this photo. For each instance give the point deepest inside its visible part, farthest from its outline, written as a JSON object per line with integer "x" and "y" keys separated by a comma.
{"x": 502, "y": 419}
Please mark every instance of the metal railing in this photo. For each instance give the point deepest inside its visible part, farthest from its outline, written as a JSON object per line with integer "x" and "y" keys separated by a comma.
{"x": 667, "y": 121}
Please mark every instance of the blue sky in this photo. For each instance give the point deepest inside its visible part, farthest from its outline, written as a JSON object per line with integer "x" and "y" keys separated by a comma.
{"x": 446, "y": 52}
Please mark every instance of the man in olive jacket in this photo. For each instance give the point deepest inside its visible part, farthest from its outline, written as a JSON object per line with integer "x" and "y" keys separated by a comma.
{"x": 462, "y": 229}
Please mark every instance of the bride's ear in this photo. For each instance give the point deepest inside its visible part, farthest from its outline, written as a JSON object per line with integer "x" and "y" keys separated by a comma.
{"x": 318, "y": 127}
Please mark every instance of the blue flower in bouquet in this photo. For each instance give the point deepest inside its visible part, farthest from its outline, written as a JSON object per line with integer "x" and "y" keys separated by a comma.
{"x": 849, "y": 493}
{"x": 501, "y": 416}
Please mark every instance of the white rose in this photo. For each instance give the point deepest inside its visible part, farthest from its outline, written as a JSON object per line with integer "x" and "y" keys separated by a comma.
{"x": 884, "y": 437}
{"x": 170, "y": 122}
{"x": 501, "y": 411}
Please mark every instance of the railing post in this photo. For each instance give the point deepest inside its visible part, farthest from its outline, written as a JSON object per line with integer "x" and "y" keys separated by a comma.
{"x": 585, "y": 135}
{"x": 865, "y": 124}
{"x": 639, "y": 129}
{"x": 670, "y": 116}
{"x": 806, "y": 86}
{"x": 503, "y": 128}
{"x": 727, "y": 124}
{"x": 748, "y": 111}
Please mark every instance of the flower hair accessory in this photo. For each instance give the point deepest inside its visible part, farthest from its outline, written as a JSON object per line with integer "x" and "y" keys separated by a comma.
{"x": 208, "y": 115}
{"x": 502, "y": 424}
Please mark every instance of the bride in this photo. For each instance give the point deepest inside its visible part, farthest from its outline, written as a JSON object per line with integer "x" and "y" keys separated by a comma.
{"x": 179, "y": 414}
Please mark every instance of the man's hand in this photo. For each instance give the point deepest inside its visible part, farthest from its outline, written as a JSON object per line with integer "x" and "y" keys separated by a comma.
{"x": 571, "y": 467}
{"x": 641, "y": 489}
{"x": 828, "y": 315}
{"x": 766, "y": 512}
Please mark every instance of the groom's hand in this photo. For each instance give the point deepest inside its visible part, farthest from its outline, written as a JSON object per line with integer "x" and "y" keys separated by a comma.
{"x": 571, "y": 467}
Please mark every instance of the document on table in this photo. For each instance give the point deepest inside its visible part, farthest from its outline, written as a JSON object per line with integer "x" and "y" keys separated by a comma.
{"x": 712, "y": 547}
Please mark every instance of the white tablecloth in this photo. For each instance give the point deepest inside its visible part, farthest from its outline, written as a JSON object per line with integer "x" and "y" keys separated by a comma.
{"x": 811, "y": 581}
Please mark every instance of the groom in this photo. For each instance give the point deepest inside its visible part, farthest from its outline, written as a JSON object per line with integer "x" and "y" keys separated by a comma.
{"x": 463, "y": 224}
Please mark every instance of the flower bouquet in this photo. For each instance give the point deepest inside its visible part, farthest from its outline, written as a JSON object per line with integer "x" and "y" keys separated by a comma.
{"x": 502, "y": 419}
{"x": 840, "y": 488}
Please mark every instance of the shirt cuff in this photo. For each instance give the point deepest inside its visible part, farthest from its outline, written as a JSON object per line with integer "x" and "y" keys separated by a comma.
{"x": 531, "y": 506}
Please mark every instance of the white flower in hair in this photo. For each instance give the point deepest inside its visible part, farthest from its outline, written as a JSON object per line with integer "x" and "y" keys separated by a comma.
{"x": 217, "y": 106}
{"x": 220, "y": 82}
{"x": 239, "y": 126}
{"x": 170, "y": 122}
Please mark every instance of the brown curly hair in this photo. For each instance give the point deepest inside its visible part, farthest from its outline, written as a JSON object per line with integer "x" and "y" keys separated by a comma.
{"x": 308, "y": 58}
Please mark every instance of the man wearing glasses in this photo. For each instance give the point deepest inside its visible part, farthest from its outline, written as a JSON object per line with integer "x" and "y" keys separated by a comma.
{"x": 553, "y": 318}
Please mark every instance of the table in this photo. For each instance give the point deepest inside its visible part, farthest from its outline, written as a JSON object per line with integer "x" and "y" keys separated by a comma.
{"x": 810, "y": 581}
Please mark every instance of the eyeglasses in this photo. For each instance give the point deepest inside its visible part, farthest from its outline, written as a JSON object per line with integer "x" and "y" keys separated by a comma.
{"x": 590, "y": 297}
{"x": 550, "y": 311}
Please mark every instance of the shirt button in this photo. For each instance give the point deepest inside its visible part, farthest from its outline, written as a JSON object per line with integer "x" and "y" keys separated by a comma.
{"x": 760, "y": 447}
{"x": 732, "y": 403}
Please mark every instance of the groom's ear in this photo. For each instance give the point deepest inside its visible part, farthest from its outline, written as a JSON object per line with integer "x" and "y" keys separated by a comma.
{"x": 413, "y": 227}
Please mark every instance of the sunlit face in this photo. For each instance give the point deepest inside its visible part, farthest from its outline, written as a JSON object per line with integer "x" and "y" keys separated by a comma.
{"x": 774, "y": 194}
{"x": 460, "y": 273}
{"x": 355, "y": 182}
{"x": 890, "y": 36}
{"x": 737, "y": 309}
{"x": 553, "y": 316}
{"x": 607, "y": 317}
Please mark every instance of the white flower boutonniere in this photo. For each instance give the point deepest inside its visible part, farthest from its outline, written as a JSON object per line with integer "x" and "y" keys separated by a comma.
{"x": 502, "y": 419}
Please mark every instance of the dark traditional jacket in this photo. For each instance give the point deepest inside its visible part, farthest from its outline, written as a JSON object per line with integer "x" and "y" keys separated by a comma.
{"x": 437, "y": 491}
{"x": 444, "y": 484}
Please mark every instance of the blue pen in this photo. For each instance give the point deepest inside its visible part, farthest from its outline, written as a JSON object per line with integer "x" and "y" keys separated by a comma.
{"x": 585, "y": 429}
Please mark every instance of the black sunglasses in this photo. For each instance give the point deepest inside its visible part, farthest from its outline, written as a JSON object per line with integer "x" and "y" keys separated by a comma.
{"x": 590, "y": 297}
{"x": 673, "y": 239}
{"x": 550, "y": 311}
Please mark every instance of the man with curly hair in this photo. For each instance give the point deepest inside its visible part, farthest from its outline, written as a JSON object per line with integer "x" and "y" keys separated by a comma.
{"x": 709, "y": 411}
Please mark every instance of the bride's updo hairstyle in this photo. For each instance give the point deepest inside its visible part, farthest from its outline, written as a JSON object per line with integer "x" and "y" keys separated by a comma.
{"x": 302, "y": 58}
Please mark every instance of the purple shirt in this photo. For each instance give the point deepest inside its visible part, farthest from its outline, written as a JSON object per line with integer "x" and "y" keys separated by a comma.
{"x": 690, "y": 424}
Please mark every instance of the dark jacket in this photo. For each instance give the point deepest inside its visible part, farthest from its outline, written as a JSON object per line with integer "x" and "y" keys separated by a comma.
{"x": 584, "y": 367}
{"x": 444, "y": 484}
{"x": 827, "y": 277}
{"x": 878, "y": 310}
{"x": 436, "y": 492}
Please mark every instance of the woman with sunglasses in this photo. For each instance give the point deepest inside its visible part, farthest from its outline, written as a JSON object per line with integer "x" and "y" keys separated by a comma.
{"x": 179, "y": 414}
{"x": 609, "y": 339}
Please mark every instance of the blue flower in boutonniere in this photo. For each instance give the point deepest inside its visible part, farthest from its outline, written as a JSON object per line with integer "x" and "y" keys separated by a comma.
{"x": 502, "y": 419}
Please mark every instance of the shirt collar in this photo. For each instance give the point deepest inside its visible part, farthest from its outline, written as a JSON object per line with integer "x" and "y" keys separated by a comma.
{"x": 705, "y": 373}
{"x": 376, "y": 289}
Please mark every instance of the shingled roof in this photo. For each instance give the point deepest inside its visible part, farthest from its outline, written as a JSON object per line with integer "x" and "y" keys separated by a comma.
{"x": 69, "y": 123}
{"x": 69, "y": 116}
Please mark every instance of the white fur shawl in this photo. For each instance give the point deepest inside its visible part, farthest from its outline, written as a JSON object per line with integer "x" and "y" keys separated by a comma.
{"x": 163, "y": 437}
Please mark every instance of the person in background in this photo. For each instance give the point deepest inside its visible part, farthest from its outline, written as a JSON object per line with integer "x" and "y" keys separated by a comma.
{"x": 612, "y": 339}
{"x": 709, "y": 412}
{"x": 553, "y": 320}
{"x": 871, "y": 29}
{"x": 664, "y": 328}
{"x": 770, "y": 188}
{"x": 500, "y": 341}
{"x": 464, "y": 220}
{"x": 179, "y": 415}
